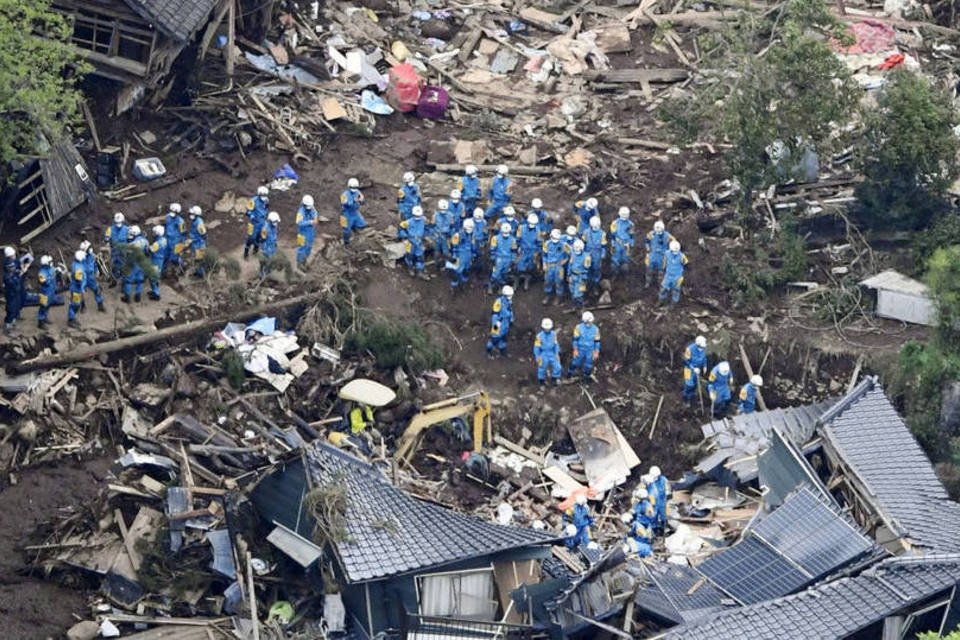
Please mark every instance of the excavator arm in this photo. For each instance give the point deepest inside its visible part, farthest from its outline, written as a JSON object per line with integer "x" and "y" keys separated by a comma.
{"x": 474, "y": 408}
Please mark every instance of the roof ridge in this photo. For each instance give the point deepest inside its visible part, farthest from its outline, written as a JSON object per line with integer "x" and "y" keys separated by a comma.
{"x": 866, "y": 385}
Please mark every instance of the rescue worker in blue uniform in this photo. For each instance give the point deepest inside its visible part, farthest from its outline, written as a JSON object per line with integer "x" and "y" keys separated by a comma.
{"x": 350, "y": 217}
{"x": 530, "y": 242}
{"x": 408, "y": 196}
{"x": 639, "y": 537}
{"x": 414, "y": 231}
{"x": 470, "y": 188}
{"x": 585, "y": 210}
{"x": 500, "y": 320}
{"x": 461, "y": 250}
{"x": 481, "y": 239}
{"x": 116, "y": 235}
{"x": 509, "y": 217}
{"x": 306, "y": 230}
{"x": 595, "y": 244}
{"x": 546, "y": 351}
{"x": 174, "y": 230}
{"x": 500, "y": 192}
{"x": 12, "y": 288}
{"x": 198, "y": 240}
{"x": 659, "y": 489}
{"x": 556, "y": 254}
{"x": 441, "y": 228}
{"x": 136, "y": 255}
{"x": 748, "y": 394}
{"x": 544, "y": 219}
{"x": 78, "y": 277}
{"x": 503, "y": 254}
{"x": 718, "y": 387}
{"x": 673, "y": 274}
{"x": 694, "y": 366}
{"x": 585, "y": 347}
{"x": 47, "y": 288}
{"x": 656, "y": 243}
{"x": 92, "y": 271}
{"x": 457, "y": 211}
{"x": 570, "y": 236}
{"x": 256, "y": 216}
{"x": 158, "y": 258}
{"x": 578, "y": 522}
{"x": 621, "y": 237}
{"x": 578, "y": 271}
{"x": 268, "y": 241}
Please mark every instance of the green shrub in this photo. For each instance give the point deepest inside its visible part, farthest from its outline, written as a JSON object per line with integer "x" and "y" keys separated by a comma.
{"x": 232, "y": 364}
{"x": 396, "y": 343}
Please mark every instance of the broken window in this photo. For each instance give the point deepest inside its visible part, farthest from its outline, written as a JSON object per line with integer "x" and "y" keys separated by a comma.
{"x": 110, "y": 36}
{"x": 467, "y": 595}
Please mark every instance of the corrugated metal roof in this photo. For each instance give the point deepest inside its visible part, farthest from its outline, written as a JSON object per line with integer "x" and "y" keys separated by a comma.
{"x": 891, "y": 280}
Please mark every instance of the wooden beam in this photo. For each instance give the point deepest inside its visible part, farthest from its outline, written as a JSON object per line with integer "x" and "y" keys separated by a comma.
{"x": 638, "y": 76}
{"x": 231, "y": 35}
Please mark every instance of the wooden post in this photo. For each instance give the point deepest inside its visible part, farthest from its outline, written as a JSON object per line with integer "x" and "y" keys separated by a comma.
{"x": 231, "y": 35}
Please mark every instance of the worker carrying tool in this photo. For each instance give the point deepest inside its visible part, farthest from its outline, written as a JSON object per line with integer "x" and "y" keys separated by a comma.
{"x": 578, "y": 522}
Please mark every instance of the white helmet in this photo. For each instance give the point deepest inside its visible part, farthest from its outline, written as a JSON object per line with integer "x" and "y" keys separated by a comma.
{"x": 532, "y": 219}
{"x": 195, "y": 210}
{"x": 587, "y": 317}
{"x": 468, "y": 224}
{"x": 134, "y": 231}
{"x": 546, "y": 324}
{"x": 555, "y": 234}
{"x": 595, "y": 222}
{"x": 158, "y": 230}
{"x": 9, "y": 252}
{"x": 581, "y": 497}
{"x": 756, "y": 380}
{"x": 592, "y": 203}
{"x": 455, "y": 195}
{"x": 640, "y": 493}
{"x": 263, "y": 191}
{"x": 470, "y": 170}
{"x": 570, "y": 530}
{"x": 46, "y": 260}
{"x": 724, "y": 368}
{"x": 80, "y": 256}
{"x": 353, "y": 183}
{"x": 624, "y": 213}
{"x": 503, "y": 170}
{"x": 507, "y": 291}
{"x": 418, "y": 211}
{"x": 443, "y": 205}
{"x": 674, "y": 246}
{"x": 505, "y": 228}
{"x": 658, "y": 226}
{"x": 273, "y": 216}
{"x": 175, "y": 207}
{"x": 577, "y": 245}
{"x": 536, "y": 203}
{"x": 409, "y": 178}
{"x": 701, "y": 342}
{"x": 307, "y": 201}
{"x": 84, "y": 246}
{"x": 118, "y": 218}
{"x": 571, "y": 230}
{"x": 626, "y": 517}
{"x": 509, "y": 211}
{"x": 478, "y": 214}
{"x": 654, "y": 472}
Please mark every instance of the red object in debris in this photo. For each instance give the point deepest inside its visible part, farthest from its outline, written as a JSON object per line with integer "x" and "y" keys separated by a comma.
{"x": 433, "y": 103}
{"x": 403, "y": 92}
{"x": 891, "y": 61}
{"x": 869, "y": 36}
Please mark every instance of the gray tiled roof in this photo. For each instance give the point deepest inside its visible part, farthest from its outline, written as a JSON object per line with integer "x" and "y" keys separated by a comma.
{"x": 179, "y": 19}
{"x": 871, "y": 437}
{"x": 678, "y": 593}
{"x": 389, "y": 532}
{"x": 835, "y": 609}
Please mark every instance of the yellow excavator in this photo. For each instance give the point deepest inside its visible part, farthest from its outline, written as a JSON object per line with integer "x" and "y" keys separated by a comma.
{"x": 472, "y": 408}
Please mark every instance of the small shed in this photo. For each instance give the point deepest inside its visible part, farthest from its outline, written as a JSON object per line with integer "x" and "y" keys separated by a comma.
{"x": 902, "y": 298}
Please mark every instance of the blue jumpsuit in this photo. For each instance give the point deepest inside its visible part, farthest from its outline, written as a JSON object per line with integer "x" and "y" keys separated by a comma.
{"x": 513, "y": 221}
{"x": 694, "y": 358}
{"x": 461, "y": 249}
{"x": 408, "y": 196}
{"x": 500, "y": 195}
{"x": 578, "y": 516}
{"x": 47, "y": 281}
{"x": 544, "y": 221}
{"x": 158, "y": 256}
{"x": 546, "y": 350}
{"x": 500, "y": 320}
{"x": 413, "y": 230}
{"x": 12, "y": 290}
{"x": 530, "y": 241}
{"x": 470, "y": 193}
{"x": 133, "y": 281}
{"x": 621, "y": 234}
{"x": 116, "y": 236}
{"x": 306, "y": 232}
{"x": 657, "y": 243}
{"x": 503, "y": 253}
{"x": 586, "y": 348}
{"x": 457, "y": 213}
{"x": 659, "y": 490}
{"x": 555, "y": 257}
{"x": 350, "y": 217}
{"x": 583, "y": 213}
{"x": 641, "y": 528}
{"x": 443, "y": 223}
{"x": 78, "y": 283}
{"x": 569, "y": 240}
{"x": 90, "y": 265}
{"x": 268, "y": 241}
{"x": 480, "y": 243}
{"x": 595, "y": 243}
{"x": 577, "y": 276}
{"x": 198, "y": 242}
{"x": 718, "y": 387}
{"x": 174, "y": 229}
{"x": 256, "y": 216}
{"x": 673, "y": 276}
{"x": 748, "y": 398}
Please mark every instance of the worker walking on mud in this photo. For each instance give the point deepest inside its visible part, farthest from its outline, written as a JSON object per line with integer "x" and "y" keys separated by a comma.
{"x": 570, "y": 236}
{"x": 578, "y": 272}
{"x": 350, "y": 217}
{"x": 480, "y": 239}
{"x": 413, "y": 231}
{"x": 136, "y": 257}
{"x": 595, "y": 244}
{"x": 673, "y": 274}
{"x": 748, "y": 394}
{"x": 503, "y": 254}
{"x": 47, "y": 286}
{"x": 306, "y": 230}
{"x": 556, "y": 254}
{"x": 530, "y": 241}
{"x": 198, "y": 240}
{"x": 78, "y": 277}
{"x": 256, "y": 216}
{"x": 461, "y": 249}
{"x": 92, "y": 271}
{"x": 585, "y": 210}
{"x": 585, "y": 347}
{"x": 546, "y": 351}
{"x": 470, "y": 188}
{"x": 442, "y": 227}
{"x": 158, "y": 256}
{"x": 578, "y": 522}
{"x": 718, "y": 387}
{"x": 694, "y": 365}
{"x": 500, "y": 320}
{"x": 408, "y": 196}
{"x": 656, "y": 243}
{"x": 500, "y": 192}
{"x": 174, "y": 230}
{"x": 509, "y": 217}
{"x": 544, "y": 219}
{"x": 116, "y": 235}
{"x": 268, "y": 241}
{"x": 621, "y": 237}
{"x": 658, "y": 487}
{"x": 457, "y": 211}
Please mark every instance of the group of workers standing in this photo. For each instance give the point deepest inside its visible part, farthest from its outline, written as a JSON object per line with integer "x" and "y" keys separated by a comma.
{"x": 719, "y": 381}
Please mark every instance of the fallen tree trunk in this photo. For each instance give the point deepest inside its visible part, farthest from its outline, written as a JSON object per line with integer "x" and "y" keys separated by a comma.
{"x": 638, "y": 76}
